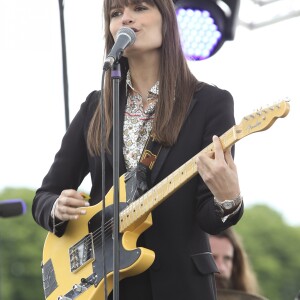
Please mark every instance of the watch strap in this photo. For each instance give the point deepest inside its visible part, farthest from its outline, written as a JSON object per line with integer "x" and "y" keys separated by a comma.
{"x": 227, "y": 207}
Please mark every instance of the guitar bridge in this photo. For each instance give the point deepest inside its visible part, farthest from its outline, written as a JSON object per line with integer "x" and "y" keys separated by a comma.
{"x": 81, "y": 253}
{"x": 80, "y": 288}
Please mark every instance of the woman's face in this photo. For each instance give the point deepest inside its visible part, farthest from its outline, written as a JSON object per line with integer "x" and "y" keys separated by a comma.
{"x": 145, "y": 20}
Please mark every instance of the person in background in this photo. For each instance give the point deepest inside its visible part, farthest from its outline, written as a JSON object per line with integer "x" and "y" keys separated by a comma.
{"x": 232, "y": 261}
{"x": 161, "y": 99}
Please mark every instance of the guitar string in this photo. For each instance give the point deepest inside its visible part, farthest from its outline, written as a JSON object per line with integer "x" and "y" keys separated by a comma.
{"x": 97, "y": 234}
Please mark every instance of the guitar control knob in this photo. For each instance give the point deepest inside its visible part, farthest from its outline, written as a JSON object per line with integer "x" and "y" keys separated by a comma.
{"x": 78, "y": 288}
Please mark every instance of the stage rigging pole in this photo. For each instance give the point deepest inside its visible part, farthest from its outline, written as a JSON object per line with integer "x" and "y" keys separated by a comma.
{"x": 64, "y": 61}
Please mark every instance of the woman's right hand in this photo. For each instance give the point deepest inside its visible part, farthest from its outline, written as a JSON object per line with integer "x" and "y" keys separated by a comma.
{"x": 69, "y": 205}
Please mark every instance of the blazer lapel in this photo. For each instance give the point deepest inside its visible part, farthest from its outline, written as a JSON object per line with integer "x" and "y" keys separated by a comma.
{"x": 164, "y": 151}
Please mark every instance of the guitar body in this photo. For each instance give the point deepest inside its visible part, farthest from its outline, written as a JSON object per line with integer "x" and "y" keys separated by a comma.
{"x": 73, "y": 264}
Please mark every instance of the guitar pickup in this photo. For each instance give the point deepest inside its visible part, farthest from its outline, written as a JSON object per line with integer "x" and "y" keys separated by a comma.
{"x": 81, "y": 253}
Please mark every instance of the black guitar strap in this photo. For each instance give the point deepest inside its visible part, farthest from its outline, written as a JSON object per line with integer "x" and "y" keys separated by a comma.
{"x": 137, "y": 181}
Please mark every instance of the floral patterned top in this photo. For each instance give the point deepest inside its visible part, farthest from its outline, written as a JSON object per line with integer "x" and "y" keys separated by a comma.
{"x": 137, "y": 122}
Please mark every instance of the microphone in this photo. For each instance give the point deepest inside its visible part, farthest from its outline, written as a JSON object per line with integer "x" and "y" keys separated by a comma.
{"x": 12, "y": 208}
{"x": 125, "y": 37}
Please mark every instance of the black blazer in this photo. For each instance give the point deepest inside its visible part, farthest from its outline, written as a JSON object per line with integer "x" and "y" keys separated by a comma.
{"x": 184, "y": 267}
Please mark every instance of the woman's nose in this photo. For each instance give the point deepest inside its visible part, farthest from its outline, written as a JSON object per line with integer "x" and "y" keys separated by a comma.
{"x": 127, "y": 17}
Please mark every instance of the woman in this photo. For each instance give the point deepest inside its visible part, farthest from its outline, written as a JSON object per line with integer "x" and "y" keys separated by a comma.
{"x": 158, "y": 94}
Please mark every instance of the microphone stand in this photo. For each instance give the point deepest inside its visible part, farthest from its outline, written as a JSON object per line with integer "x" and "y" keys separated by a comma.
{"x": 116, "y": 76}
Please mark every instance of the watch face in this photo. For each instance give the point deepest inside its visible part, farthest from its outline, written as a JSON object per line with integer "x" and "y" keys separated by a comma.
{"x": 228, "y": 204}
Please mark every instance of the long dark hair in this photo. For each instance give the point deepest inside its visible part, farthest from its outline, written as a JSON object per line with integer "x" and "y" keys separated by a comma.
{"x": 242, "y": 278}
{"x": 177, "y": 83}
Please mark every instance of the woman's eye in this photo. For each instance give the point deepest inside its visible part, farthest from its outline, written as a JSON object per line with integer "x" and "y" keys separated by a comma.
{"x": 141, "y": 7}
{"x": 115, "y": 13}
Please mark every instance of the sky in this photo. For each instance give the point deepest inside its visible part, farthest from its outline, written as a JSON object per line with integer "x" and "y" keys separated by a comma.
{"x": 259, "y": 67}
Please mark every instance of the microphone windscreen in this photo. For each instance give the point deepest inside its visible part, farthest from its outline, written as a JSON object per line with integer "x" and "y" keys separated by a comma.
{"x": 12, "y": 208}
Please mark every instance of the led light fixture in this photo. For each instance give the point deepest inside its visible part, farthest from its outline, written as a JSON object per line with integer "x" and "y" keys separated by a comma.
{"x": 205, "y": 25}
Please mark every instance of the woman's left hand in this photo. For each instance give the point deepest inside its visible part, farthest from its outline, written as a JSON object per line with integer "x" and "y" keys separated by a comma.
{"x": 219, "y": 172}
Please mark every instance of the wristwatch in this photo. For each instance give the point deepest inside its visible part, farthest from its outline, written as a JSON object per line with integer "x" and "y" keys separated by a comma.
{"x": 228, "y": 206}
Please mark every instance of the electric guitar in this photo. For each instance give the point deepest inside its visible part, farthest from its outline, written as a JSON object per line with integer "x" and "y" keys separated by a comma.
{"x": 72, "y": 265}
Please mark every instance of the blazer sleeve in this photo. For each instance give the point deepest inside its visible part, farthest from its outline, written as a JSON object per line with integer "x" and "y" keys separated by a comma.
{"x": 219, "y": 117}
{"x": 69, "y": 168}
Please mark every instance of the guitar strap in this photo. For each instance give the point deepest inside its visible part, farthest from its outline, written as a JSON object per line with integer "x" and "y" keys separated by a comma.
{"x": 137, "y": 181}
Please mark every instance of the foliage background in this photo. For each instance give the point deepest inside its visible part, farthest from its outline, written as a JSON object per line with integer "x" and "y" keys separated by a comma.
{"x": 21, "y": 247}
{"x": 271, "y": 244}
{"x": 273, "y": 248}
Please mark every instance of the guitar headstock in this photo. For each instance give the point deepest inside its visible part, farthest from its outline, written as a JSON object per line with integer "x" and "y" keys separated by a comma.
{"x": 262, "y": 119}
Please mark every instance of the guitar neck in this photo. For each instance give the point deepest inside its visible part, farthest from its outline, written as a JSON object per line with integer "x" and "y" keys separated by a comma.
{"x": 255, "y": 122}
{"x": 159, "y": 193}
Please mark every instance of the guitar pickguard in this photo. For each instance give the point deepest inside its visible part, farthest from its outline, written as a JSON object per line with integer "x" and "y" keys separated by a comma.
{"x": 127, "y": 257}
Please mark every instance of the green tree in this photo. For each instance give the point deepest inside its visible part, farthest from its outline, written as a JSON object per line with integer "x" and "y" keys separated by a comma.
{"x": 21, "y": 244}
{"x": 273, "y": 249}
